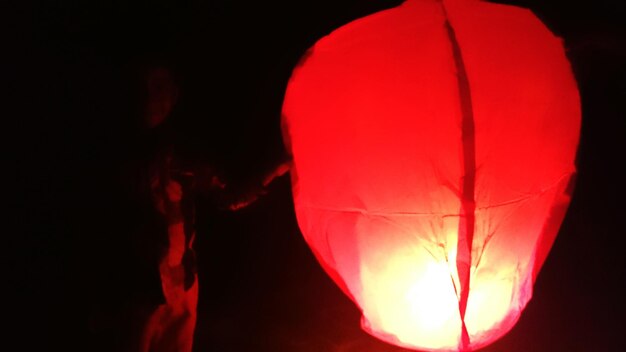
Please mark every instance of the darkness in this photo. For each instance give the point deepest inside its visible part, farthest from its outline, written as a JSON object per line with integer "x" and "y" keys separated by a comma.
{"x": 73, "y": 71}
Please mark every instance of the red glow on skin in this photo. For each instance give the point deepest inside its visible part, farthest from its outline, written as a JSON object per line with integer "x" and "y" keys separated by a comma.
{"x": 434, "y": 229}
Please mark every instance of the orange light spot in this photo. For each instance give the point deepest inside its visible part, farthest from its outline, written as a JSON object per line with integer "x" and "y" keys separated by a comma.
{"x": 413, "y": 299}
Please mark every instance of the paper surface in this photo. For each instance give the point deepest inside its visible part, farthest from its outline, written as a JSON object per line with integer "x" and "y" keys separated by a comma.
{"x": 374, "y": 119}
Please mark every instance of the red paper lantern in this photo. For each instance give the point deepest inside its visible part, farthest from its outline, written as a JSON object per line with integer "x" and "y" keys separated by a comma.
{"x": 433, "y": 145}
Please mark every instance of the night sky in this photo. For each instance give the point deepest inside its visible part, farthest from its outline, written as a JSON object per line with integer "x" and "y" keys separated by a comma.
{"x": 74, "y": 73}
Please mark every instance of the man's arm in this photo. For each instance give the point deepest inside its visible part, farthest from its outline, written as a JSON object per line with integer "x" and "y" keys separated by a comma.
{"x": 251, "y": 195}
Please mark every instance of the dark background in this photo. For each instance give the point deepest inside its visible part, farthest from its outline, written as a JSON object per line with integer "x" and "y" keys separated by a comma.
{"x": 74, "y": 74}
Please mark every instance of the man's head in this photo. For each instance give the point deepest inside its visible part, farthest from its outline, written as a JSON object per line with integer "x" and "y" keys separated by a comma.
{"x": 161, "y": 93}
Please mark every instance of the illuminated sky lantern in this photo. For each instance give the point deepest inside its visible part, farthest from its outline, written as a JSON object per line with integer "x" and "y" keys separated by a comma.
{"x": 433, "y": 148}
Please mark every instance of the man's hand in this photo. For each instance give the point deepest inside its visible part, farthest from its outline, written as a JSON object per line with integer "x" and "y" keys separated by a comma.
{"x": 250, "y": 197}
{"x": 278, "y": 171}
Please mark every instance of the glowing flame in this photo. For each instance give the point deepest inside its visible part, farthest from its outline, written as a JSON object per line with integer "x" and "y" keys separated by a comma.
{"x": 412, "y": 301}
